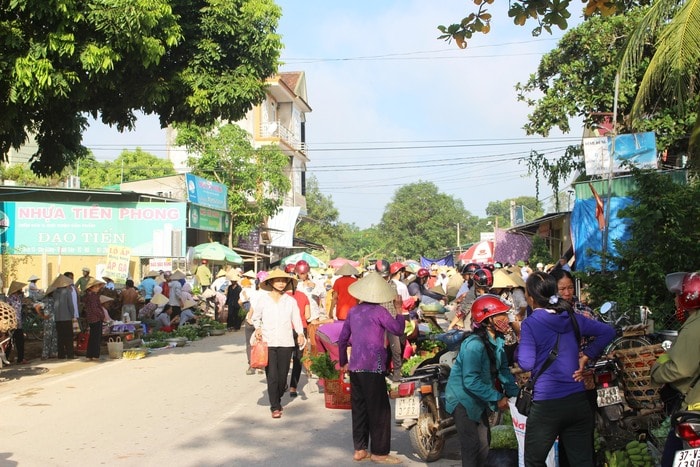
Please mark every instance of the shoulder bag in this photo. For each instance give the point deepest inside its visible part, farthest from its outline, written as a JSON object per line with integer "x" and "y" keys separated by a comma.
{"x": 525, "y": 397}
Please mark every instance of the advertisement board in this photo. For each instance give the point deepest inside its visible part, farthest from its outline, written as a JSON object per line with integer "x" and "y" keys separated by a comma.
{"x": 638, "y": 149}
{"x": 88, "y": 229}
{"x": 206, "y": 193}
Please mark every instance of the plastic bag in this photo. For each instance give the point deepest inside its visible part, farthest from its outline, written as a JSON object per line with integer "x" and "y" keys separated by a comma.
{"x": 258, "y": 354}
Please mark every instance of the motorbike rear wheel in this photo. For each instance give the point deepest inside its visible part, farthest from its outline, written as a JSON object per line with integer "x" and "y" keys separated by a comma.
{"x": 424, "y": 440}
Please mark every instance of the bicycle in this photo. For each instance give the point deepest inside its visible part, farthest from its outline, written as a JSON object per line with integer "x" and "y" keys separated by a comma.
{"x": 32, "y": 323}
{"x": 630, "y": 335}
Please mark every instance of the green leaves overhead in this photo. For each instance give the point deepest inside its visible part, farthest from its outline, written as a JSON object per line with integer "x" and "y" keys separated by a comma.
{"x": 184, "y": 60}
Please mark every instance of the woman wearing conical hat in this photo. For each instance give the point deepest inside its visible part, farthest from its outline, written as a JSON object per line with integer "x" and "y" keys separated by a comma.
{"x": 366, "y": 325}
{"x": 95, "y": 316}
{"x": 14, "y": 299}
{"x": 46, "y": 309}
{"x": 275, "y": 314}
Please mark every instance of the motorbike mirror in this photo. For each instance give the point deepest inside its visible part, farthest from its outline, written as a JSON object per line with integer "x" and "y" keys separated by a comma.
{"x": 606, "y": 307}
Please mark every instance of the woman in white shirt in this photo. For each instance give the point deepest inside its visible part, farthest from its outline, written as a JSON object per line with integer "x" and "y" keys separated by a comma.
{"x": 275, "y": 314}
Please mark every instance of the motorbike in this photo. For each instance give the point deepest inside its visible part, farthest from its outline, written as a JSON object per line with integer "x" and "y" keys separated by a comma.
{"x": 420, "y": 400}
{"x": 686, "y": 425}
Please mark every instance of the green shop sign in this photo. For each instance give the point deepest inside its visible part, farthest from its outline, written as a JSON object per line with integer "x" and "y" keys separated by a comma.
{"x": 209, "y": 219}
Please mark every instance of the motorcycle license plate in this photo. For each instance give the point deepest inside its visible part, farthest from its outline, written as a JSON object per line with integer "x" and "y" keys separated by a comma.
{"x": 687, "y": 458}
{"x": 609, "y": 396}
{"x": 407, "y": 407}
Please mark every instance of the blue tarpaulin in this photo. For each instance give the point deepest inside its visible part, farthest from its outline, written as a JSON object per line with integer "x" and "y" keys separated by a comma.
{"x": 587, "y": 238}
{"x": 446, "y": 261}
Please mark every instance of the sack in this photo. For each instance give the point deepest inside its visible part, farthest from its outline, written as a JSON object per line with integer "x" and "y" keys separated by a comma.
{"x": 258, "y": 354}
{"x": 523, "y": 402}
{"x": 672, "y": 399}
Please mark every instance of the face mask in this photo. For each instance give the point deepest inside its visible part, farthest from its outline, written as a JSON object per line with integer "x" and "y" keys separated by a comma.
{"x": 501, "y": 323}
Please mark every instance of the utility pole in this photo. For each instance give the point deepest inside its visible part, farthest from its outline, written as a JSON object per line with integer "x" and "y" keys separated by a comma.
{"x": 606, "y": 231}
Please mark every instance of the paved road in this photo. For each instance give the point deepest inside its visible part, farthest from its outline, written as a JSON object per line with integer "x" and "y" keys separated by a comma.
{"x": 190, "y": 406}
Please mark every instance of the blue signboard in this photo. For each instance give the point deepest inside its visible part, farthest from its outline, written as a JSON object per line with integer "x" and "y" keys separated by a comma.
{"x": 206, "y": 193}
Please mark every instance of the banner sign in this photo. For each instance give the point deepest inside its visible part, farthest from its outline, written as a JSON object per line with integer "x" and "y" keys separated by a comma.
{"x": 209, "y": 219}
{"x": 117, "y": 268}
{"x": 206, "y": 193}
{"x": 87, "y": 229}
{"x": 160, "y": 264}
{"x": 638, "y": 149}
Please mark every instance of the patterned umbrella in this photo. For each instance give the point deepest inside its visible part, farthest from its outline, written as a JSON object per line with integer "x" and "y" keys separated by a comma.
{"x": 338, "y": 262}
{"x": 311, "y": 259}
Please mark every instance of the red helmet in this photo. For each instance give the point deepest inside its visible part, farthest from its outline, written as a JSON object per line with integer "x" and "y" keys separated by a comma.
{"x": 289, "y": 268}
{"x": 488, "y": 305}
{"x": 382, "y": 267}
{"x": 422, "y": 272}
{"x": 302, "y": 267}
{"x": 396, "y": 267}
{"x": 687, "y": 286}
{"x": 483, "y": 278}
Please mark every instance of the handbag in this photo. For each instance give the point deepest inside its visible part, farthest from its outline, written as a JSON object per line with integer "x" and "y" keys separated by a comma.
{"x": 258, "y": 354}
{"x": 526, "y": 394}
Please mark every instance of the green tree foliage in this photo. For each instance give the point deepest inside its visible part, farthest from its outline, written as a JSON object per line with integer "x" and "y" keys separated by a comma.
{"x": 419, "y": 220}
{"x": 546, "y": 14}
{"x": 130, "y": 166}
{"x": 501, "y": 209}
{"x": 361, "y": 244}
{"x": 577, "y": 80}
{"x": 183, "y": 60}
{"x": 255, "y": 178}
{"x": 23, "y": 175}
{"x": 321, "y": 223}
{"x": 664, "y": 238}
{"x": 539, "y": 253}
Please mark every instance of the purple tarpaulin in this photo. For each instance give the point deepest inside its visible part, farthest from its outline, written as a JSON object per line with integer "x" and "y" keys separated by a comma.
{"x": 511, "y": 247}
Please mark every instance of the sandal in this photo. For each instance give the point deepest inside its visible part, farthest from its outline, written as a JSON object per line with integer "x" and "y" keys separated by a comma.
{"x": 293, "y": 393}
{"x": 276, "y": 414}
{"x": 386, "y": 460}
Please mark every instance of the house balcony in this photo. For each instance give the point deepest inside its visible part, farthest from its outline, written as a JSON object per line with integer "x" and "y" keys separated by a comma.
{"x": 275, "y": 130}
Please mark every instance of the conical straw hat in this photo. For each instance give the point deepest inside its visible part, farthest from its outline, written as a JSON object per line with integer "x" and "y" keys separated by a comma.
{"x": 58, "y": 282}
{"x": 372, "y": 288}
{"x": 347, "y": 269}
{"x": 159, "y": 299}
{"x": 105, "y": 299}
{"x": 15, "y": 286}
{"x": 276, "y": 274}
{"x": 177, "y": 275}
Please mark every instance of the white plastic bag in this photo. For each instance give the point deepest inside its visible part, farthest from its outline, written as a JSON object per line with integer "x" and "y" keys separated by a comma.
{"x": 519, "y": 425}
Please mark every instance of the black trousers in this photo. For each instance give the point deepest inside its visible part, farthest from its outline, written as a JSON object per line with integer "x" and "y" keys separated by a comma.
{"x": 18, "y": 338}
{"x": 296, "y": 361}
{"x": 64, "y": 338}
{"x": 371, "y": 413}
{"x": 233, "y": 320}
{"x": 276, "y": 373}
{"x": 474, "y": 437}
{"x": 94, "y": 341}
{"x": 570, "y": 418}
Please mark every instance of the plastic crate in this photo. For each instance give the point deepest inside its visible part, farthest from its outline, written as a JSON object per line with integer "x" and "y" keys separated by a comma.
{"x": 337, "y": 394}
{"x": 636, "y": 366}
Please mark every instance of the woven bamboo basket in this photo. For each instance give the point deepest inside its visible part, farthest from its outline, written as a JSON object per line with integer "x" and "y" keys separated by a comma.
{"x": 636, "y": 366}
{"x": 8, "y": 318}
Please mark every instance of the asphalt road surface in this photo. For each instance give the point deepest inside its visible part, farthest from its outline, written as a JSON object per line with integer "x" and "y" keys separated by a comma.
{"x": 189, "y": 406}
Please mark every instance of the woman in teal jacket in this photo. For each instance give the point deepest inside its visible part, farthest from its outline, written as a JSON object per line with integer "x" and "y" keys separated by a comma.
{"x": 480, "y": 380}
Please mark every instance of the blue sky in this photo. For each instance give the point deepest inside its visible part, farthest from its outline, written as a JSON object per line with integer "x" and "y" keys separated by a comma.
{"x": 393, "y": 105}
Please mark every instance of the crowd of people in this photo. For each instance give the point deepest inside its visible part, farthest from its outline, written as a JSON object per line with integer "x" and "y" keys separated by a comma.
{"x": 533, "y": 322}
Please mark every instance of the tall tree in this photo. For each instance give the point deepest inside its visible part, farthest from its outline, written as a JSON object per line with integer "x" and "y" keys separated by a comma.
{"x": 255, "y": 178}
{"x": 128, "y": 167}
{"x": 672, "y": 74}
{"x": 321, "y": 223}
{"x": 183, "y": 60}
{"x": 419, "y": 220}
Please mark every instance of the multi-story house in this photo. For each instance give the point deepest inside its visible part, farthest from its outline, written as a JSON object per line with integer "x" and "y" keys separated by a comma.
{"x": 279, "y": 120}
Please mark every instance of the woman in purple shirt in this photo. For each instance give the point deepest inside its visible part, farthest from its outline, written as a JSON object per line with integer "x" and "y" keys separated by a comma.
{"x": 366, "y": 324}
{"x": 560, "y": 406}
